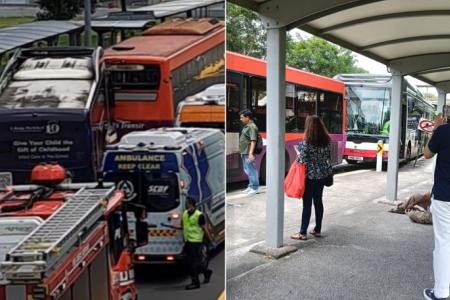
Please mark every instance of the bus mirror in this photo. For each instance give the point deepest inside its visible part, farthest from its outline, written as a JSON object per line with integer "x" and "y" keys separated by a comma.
{"x": 111, "y": 135}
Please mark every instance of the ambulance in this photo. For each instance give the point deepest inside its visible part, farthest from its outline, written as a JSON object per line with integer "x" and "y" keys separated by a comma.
{"x": 159, "y": 169}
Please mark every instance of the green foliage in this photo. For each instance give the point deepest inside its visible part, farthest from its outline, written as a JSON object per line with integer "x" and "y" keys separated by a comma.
{"x": 60, "y": 10}
{"x": 321, "y": 57}
{"x": 247, "y": 35}
{"x": 6, "y": 22}
{"x": 245, "y": 32}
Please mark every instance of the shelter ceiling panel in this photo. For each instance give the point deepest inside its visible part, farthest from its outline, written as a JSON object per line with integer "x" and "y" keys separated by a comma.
{"x": 378, "y": 9}
{"x": 437, "y": 76}
{"x": 413, "y": 48}
{"x": 364, "y": 34}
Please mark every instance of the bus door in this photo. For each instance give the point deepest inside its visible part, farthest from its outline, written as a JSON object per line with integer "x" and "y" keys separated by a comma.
{"x": 404, "y": 129}
{"x": 235, "y": 98}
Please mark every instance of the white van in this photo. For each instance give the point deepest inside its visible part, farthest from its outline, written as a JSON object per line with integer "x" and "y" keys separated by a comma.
{"x": 159, "y": 168}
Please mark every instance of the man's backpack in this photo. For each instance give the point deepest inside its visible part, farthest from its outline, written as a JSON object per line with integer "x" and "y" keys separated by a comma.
{"x": 259, "y": 144}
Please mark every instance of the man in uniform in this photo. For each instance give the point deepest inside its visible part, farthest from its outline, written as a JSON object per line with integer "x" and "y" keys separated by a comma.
{"x": 247, "y": 145}
{"x": 194, "y": 229}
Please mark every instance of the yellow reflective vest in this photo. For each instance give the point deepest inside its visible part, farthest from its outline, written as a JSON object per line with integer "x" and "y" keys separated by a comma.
{"x": 192, "y": 231}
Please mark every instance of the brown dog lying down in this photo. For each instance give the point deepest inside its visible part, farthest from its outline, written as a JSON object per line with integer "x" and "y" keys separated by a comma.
{"x": 416, "y": 207}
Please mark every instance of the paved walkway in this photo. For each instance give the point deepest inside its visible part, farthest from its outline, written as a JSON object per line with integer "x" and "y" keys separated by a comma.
{"x": 366, "y": 252}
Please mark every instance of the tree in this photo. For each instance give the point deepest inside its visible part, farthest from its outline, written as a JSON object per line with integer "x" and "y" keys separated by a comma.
{"x": 60, "y": 10}
{"x": 247, "y": 35}
{"x": 321, "y": 57}
{"x": 245, "y": 32}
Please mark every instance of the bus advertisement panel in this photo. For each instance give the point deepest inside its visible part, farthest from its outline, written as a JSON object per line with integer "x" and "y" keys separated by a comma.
{"x": 51, "y": 110}
{"x": 306, "y": 94}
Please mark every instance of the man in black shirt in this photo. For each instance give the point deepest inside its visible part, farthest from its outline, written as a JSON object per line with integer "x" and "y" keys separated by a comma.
{"x": 440, "y": 209}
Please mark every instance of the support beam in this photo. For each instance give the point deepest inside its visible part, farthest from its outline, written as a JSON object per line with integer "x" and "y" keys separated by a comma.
{"x": 87, "y": 23}
{"x": 383, "y": 17}
{"x": 420, "y": 63}
{"x": 394, "y": 136}
{"x": 276, "y": 95}
{"x": 406, "y": 40}
{"x": 305, "y": 11}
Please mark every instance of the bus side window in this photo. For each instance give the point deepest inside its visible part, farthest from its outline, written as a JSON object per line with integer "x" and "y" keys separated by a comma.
{"x": 188, "y": 80}
{"x": 306, "y": 105}
{"x": 233, "y": 96}
{"x": 329, "y": 109}
{"x": 291, "y": 118}
{"x": 259, "y": 101}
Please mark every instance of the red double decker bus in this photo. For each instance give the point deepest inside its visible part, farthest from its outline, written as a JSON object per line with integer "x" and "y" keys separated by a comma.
{"x": 306, "y": 94}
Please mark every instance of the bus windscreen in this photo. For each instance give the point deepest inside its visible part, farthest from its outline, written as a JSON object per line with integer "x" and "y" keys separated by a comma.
{"x": 367, "y": 109}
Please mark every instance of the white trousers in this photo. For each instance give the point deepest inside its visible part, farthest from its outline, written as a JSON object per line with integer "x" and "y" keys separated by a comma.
{"x": 441, "y": 254}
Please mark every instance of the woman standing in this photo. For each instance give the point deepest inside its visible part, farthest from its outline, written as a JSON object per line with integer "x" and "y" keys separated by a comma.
{"x": 315, "y": 153}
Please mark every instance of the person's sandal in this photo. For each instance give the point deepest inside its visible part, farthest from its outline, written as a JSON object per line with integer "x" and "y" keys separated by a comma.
{"x": 299, "y": 236}
{"x": 316, "y": 234}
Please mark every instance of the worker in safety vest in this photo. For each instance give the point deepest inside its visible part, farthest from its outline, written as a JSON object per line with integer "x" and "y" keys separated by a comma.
{"x": 194, "y": 229}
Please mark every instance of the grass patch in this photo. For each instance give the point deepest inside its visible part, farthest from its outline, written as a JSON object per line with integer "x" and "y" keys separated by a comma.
{"x": 7, "y": 22}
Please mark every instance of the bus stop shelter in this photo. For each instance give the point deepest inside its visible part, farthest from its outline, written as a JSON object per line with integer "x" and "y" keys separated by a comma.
{"x": 26, "y": 34}
{"x": 411, "y": 37}
{"x": 187, "y": 8}
{"x": 114, "y": 24}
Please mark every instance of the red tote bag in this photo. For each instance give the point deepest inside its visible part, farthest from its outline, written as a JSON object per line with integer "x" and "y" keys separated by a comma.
{"x": 294, "y": 183}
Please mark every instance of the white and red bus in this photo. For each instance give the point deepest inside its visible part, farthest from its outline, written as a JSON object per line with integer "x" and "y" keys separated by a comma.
{"x": 368, "y": 98}
{"x": 306, "y": 94}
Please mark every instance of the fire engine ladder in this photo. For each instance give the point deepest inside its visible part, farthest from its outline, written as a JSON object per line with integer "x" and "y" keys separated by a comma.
{"x": 47, "y": 244}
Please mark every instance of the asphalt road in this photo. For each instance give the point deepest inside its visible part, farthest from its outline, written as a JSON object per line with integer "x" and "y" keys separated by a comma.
{"x": 161, "y": 282}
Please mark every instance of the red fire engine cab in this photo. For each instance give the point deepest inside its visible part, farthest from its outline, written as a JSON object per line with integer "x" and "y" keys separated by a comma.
{"x": 66, "y": 241}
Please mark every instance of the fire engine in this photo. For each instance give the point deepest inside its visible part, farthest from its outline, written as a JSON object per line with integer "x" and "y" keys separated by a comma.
{"x": 66, "y": 240}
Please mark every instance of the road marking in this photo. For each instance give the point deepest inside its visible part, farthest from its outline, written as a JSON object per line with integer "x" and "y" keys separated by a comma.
{"x": 352, "y": 173}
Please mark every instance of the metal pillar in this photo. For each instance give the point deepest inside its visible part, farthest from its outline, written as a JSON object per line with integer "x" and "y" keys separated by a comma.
{"x": 441, "y": 100}
{"x": 87, "y": 23}
{"x": 394, "y": 136}
{"x": 276, "y": 95}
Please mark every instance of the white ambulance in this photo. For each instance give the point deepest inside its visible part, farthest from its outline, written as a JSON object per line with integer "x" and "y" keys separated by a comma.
{"x": 159, "y": 168}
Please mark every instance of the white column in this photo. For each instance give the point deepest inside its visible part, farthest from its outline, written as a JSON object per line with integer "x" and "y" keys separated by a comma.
{"x": 276, "y": 97}
{"x": 441, "y": 100}
{"x": 440, "y": 107}
{"x": 394, "y": 136}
